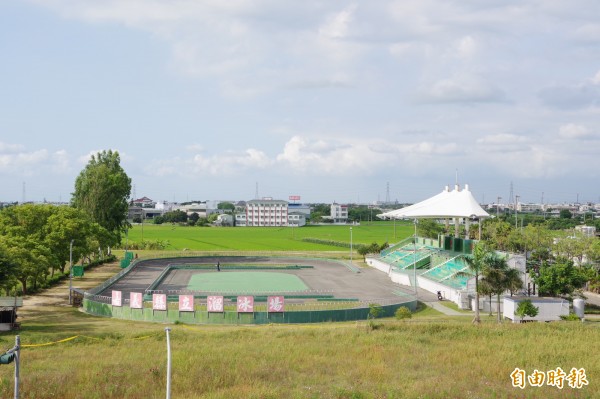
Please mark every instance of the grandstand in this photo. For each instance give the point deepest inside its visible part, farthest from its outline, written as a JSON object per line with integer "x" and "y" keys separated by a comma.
{"x": 438, "y": 265}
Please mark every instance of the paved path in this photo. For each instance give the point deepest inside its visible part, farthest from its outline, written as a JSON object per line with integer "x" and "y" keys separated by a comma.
{"x": 592, "y": 298}
{"x": 445, "y": 310}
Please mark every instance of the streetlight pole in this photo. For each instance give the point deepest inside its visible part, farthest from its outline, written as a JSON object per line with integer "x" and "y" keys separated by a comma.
{"x": 350, "y": 244}
{"x": 71, "y": 272}
{"x": 415, "y": 258}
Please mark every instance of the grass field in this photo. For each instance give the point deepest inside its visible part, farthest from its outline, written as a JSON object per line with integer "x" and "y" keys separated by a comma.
{"x": 429, "y": 356}
{"x": 268, "y": 238}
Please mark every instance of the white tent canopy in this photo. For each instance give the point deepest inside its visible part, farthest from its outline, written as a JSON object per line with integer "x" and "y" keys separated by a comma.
{"x": 447, "y": 204}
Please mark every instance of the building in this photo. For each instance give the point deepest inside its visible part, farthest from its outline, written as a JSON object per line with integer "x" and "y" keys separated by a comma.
{"x": 143, "y": 202}
{"x": 586, "y": 231}
{"x": 266, "y": 212}
{"x": 339, "y": 213}
{"x": 300, "y": 209}
{"x": 549, "y": 309}
{"x": 296, "y": 219}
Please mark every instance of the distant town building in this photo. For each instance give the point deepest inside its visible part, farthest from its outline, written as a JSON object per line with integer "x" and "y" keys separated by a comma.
{"x": 299, "y": 208}
{"x": 338, "y": 213}
{"x": 266, "y": 212}
{"x": 143, "y": 202}
{"x": 296, "y": 219}
{"x": 586, "y": 231}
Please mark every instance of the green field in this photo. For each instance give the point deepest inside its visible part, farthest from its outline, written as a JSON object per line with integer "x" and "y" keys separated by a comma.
{"x": 246, "y": 282}
{"x": 268, "y": 238}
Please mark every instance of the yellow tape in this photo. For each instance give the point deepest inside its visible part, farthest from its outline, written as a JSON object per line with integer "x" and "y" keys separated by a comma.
{"x": 49, "y": 343}
{"x": 144, "y": 337}
{"x": 85, "y": 336}
{"x": 77, "y": 336}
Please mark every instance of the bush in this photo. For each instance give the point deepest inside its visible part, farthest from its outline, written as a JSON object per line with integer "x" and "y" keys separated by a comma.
{"x": 403, "y": 313}
{"x": 570, "y": 317}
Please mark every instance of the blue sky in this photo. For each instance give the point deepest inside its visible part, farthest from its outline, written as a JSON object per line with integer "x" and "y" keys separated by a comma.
{"x": 327, "y": 100}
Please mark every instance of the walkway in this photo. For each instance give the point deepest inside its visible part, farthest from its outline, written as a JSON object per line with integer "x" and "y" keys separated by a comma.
{"x": 445, "y": 310}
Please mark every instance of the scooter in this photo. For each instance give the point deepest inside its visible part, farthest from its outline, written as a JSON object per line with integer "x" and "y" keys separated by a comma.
{"x": 439, "y": 294}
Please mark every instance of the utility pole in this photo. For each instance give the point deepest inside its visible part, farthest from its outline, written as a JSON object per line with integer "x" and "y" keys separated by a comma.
{"x": 516, "y": 217}
{"x": 350, "y": 244}
{"x": 71, "y": 273}
{"x": 498, "y": 206}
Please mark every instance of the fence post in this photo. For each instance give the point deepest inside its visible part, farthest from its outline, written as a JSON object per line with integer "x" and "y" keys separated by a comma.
{"x": 167, "y": 329}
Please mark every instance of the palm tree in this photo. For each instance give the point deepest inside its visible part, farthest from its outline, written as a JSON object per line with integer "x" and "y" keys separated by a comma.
{"x": 513, "y": 281}
{"x": 500, "y": 277}
{"x": 477, "y": 262}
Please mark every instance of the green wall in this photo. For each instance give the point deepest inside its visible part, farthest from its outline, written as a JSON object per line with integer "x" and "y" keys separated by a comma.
{"x": 203, "y": 317}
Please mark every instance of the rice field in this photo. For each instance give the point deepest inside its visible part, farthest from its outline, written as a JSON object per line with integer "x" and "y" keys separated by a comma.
{"x": 267, "y": 238}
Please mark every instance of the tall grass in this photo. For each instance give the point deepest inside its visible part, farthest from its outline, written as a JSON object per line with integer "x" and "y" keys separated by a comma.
{"x": 435, "y": 357}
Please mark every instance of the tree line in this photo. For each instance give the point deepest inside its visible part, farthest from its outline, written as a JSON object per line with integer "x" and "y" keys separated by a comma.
{"x": 37, "y": 240}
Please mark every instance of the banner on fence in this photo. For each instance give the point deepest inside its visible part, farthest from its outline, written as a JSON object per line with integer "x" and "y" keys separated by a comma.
{"x": 135, "y": 300}
{"x": 275, "y": 304}
{"x": 186, "y": 303}
{"x": 245, "y": 304}
{"x": 159, "y": 302}
{"x": 214, "y": 304}
{"x": 116, "y": 298}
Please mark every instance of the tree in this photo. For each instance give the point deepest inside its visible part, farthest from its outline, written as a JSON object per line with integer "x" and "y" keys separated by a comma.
{"x": 102, "y": 190}
{"x": 8, "y": 270}
{"x": 500, "y": 277}
{"x": 374, "y": 248}
{"x": 193, "y": 218}
{"x": 176, "y": 216}
{"x": 526, "y": 308}
{"x": 565, "y": 214}
{"x": 227, "y": 206}
{"x": 560, "y": 278}
{"x": 63, "y": 225}
{"x": 497, "y": 233}
{"x": 430, "y": 228}
{"x": 477, "y": 262}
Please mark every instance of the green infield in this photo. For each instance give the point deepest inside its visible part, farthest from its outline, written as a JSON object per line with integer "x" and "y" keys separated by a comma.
{"x": 255, "y": 282}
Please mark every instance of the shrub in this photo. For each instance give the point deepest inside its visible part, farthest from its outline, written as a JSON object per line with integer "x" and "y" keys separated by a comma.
{"x": 570, "y": 317}
{"x": 403, "y": 313}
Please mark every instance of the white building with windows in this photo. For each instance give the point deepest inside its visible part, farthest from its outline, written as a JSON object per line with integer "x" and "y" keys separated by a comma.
{"x": 339, "y": 213}
{"x": 266, "y": 212}
{"x": 296, "y": 219}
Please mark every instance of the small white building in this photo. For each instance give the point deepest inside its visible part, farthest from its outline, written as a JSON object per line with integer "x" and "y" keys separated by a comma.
{"x": 296, "y": 219}
{"x": 339, "y": 213}
{"x": 8, "y": 312}
{"x": 550, "y": 309}
{"x": 586, "y": 231}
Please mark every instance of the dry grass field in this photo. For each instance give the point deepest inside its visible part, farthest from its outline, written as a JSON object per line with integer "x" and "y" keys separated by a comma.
{"x": 428, "y": 356}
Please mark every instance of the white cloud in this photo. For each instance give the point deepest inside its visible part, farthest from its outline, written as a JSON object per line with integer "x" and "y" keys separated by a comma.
{"x": 15, "y": 159}
{"x": 462, "y": 89}
{"x": 588, "y": 33}
{"x": 573, "y": 131}
{"x": 61, "y": 162}
{"x": 230, "y": 162}
{"x": 338, "y": 25}
{"x": 466, "y": 47}
{"x": 10, "y": 148}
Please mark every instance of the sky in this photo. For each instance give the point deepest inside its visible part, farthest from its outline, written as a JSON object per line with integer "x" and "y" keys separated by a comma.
{"x": 352, "y": 102}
